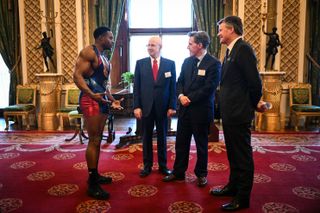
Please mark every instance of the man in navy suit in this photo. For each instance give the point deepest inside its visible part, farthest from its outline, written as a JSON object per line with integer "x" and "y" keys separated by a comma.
{"x": 240, "y": 93}
{"x": 196, "y": 86}
{"x": 154, "y": 95}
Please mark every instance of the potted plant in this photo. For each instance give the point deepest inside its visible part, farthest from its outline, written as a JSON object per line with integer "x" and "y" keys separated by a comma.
{"x": 127, "y": 79}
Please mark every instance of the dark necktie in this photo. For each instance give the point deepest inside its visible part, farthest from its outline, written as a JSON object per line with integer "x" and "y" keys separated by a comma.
{"x": 195, "y": 67}
{"x": 155, "y": 69}
{"x": 227, "y": 56}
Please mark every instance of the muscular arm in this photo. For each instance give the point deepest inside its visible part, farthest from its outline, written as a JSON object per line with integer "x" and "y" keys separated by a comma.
{"x": 83, "y": 68}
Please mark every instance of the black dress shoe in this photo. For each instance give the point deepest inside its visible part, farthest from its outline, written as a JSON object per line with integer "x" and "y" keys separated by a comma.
{"x": 225, "y": 191}
{"x": 165, "y": 171}
{"x": 95, "y": 191}
{"x": 104, "y": 180}
{"x": 235, "y": 205}
{"x": 145, "y": 172}
{"x": 202, "y": 181}
{"x": 172, "y": 177}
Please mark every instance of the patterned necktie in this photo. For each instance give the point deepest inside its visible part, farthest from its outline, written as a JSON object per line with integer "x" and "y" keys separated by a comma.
{"x": 155, "y": 69}
{"x": 227, "y": 55}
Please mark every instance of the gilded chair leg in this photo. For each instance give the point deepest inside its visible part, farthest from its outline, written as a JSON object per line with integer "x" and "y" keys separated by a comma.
{"x": 296, "y": 123}
{"x": 26, "y": 118}
{"x": 19, "y": 121}
{"x": 61, "y": 127}
{"x": 35, "y": 120}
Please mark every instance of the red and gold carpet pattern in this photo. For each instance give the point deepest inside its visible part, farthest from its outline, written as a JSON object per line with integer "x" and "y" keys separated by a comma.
{"x": 42, "y": 173}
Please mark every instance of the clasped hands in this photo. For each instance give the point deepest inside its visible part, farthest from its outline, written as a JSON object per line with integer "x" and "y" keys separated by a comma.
{"x": 138, "y": 113}
{"x": 184, "y": 100}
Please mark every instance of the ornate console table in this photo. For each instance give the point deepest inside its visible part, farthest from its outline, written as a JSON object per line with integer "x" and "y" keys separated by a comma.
{"x": 49, "y": 90}
{"x": 271, "y": 84}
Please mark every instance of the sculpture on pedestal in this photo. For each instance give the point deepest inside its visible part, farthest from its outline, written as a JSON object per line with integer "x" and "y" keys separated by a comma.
{"x": 272, "y": 46}
{"x": 47, "y": 50}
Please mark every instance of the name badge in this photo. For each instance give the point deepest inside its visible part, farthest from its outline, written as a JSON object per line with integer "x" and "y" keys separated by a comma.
{"x": 202, "y": 72}
{"x": 167, "y": 74}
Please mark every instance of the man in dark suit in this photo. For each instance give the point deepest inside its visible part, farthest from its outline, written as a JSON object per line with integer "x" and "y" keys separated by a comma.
{"x": 240, "y": 93}
{"x": 154, "y": 101}
{"x": 196, "y": 86}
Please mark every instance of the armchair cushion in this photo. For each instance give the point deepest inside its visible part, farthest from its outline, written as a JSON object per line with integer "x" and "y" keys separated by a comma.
{"x": 17, "y": 108}
{"x": 67, "y": 109}
{"x": 306, "y": 108}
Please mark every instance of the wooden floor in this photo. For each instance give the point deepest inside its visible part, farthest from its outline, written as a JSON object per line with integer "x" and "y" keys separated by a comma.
{"x": 122, "y": 123}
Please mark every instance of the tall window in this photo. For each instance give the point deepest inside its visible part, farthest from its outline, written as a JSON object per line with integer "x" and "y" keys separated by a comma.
{"x": 4, "y": 84}
{"x": 172, "y": 20}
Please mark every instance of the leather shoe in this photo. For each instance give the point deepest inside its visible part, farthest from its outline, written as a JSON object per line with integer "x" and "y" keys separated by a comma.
{"x": 202, "y": 181}
{"x": 225, "y": 191}
{"x": 172, "y": 177}
{"x": 165, "y": 171}
{"x": 95, "y": 191}
{"x": 145, "y": 172}
{"x": 235, "y": 205}
{"x": 100, "y": 180}
{"x": 104, "y": 180}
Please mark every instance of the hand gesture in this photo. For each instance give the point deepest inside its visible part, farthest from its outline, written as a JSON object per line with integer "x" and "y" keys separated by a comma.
{"x": 116, "y": 104}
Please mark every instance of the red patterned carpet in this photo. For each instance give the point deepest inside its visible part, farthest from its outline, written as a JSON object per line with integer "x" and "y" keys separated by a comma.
{"x": 42, "y": 173}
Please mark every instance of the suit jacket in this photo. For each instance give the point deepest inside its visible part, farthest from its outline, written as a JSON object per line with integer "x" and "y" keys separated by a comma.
{"x": 240, "y": 86}
{"x": 147, "y": 92}
{"x": 199, "y": 87}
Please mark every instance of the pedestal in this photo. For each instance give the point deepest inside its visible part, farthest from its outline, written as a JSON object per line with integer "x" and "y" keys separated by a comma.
{"x": 271, "y": 84}
{"x": 49, "y": 90}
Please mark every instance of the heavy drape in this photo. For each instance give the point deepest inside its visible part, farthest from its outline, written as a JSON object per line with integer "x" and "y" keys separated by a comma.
{"x": 109, "y": 13}
{"x": 10, "y": 43}
{"x": 313, "y": 71}
{"x": 208, "y": 13}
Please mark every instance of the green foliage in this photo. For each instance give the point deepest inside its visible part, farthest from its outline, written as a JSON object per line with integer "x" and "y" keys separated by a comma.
{"x": 127, "y": 77}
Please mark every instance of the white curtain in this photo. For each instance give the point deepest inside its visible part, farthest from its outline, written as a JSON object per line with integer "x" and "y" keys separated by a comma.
{"x": 4, "y": 84}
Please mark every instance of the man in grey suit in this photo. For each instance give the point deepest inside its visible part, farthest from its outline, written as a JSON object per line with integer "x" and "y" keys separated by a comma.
{"x": 196, "y": 86}
{"x": 154, "y": 99}
{"x": 240, "y": 93}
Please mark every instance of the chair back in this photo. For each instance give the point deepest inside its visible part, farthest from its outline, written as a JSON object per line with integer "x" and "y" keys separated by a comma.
{"x": 26, "y": 95}
{"x": 72, "y": 97}
{"x": 300, "y": 94}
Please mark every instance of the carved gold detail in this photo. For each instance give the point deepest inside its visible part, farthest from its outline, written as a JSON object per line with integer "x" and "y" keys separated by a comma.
{"x": 251, "y": 20}
{"x": 271, "y": 84}
{"x": 69, "y": 47}
{"x": 50, "y": 89}
{"x": 33, "y": 37}
{"x": 290, "y": 40}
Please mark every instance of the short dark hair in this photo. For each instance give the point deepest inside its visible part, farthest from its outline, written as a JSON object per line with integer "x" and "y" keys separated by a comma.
{"x": 200, "y": 37}
{"x": 99, "y": 31}
{"x": 233, "y": 21}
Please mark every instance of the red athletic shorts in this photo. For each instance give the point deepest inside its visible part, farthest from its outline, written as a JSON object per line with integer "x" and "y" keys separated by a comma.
{"x": 90, "y": 107}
